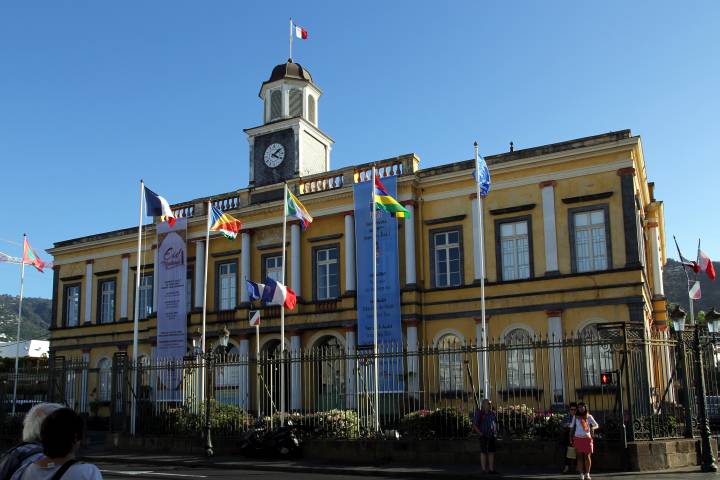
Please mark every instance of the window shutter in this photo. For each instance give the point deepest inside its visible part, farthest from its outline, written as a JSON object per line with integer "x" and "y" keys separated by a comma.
{"x": 295, "y": 102}
{"x": 311, "y": 109}
{"x": 275, "y": 104}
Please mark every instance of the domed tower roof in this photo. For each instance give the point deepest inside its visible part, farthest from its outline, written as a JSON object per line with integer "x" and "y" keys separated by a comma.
{"x": 289, "y": 70}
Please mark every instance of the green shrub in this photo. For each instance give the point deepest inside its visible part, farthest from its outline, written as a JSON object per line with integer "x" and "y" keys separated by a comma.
{"x": 515, "y": 421}
{"x": 335, "y": 424}
{"x": 440, "y": 423}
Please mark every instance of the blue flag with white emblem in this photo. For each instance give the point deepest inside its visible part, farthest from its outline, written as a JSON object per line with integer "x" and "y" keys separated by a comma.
{"x": 484, "y": 179}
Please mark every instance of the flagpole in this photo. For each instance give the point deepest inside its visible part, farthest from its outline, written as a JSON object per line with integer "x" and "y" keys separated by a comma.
{"x": 375, "y": 316}
{"x": 257, "y": 368}
{"x": 204, "y": 316}
{"x": 291, "y": 39}
{"x": 133, "y": 406}
{"x": 687, "y": 283}
{"x": 282, "y": 310}
{"x": 19, "y": 321}
{"x": 481, "y": 233}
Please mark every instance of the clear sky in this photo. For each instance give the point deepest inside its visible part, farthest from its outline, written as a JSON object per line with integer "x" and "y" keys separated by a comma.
{"x": 96, "y": 95}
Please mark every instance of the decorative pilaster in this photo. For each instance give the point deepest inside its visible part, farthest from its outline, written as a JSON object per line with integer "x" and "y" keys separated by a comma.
{"x": 349, "y": 253}
{"x": 83, "y": 407}
{"x": 295, "y": 275}
{"x": 549, "y": 228}
{"x": 88, "y": 290}
{"x": 557, "y": 370}
{"x": 295, "y": 372}
{"x": 124, "y": 274}
{"x": 409, "y": 225}
{"x": 244, "y": 354}
{"x": 199, "y": 273}
{"x": 413, "y": 363}
{"x": 244, "y": 264}
{"x": 350, "y": 368}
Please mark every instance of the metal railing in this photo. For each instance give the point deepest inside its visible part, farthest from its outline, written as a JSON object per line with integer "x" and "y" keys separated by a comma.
{"x": 425, "y": 390}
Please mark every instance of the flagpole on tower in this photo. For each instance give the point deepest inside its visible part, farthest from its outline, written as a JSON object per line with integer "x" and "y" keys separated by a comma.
{"x": 19, "y": 321}
{"x": 282, "y": 306}
{"x": 133, "y": 402}
{"x": 375, "y": 315}
{"x": 481, "y": 233}
{"x": 291, "y": 35}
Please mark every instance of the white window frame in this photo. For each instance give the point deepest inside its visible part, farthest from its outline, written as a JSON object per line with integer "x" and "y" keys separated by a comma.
{"x": 274, "y": 271}
{"x": 443, "y": 267}
{"x": 520, "y": 361}
{"x": 145, "y": 296}
{"x": 227, "y": 286}
{"x": 325, "y": 265}
{"x": 597, "y": 242}
{"x": 512, "y": 246}
{"x": 72, "y": 316}
{"x": 107, "y": 301}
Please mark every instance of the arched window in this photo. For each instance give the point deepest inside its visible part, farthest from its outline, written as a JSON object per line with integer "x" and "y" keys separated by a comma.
{"x": 104, "y": 378}
{"x": 450, "y": 363}
{"x": 311, "y": 109}
{"x": 520, "y": 360}
{"x": 596, "y": 356}
{"x": 295, "y": 102}
{"x": 275, "y": 104}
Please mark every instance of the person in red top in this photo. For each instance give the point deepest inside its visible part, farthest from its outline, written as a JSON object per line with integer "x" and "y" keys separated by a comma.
{"x": 581, "y": 429}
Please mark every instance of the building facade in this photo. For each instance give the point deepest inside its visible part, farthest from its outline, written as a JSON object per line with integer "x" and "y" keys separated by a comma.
{"x": 573, "y": 238}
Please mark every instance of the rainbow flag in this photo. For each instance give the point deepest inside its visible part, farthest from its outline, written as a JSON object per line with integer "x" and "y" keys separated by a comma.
{"x": 385, "y": 202}
{"x": 224, "y": 223}
{"x": 298, "y": 210}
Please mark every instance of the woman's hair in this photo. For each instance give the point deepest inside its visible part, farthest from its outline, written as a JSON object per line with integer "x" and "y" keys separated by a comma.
{"x": 60, "y": 431}
{"x": 573, "y": 404}
{"x": 489, "y": 403}
{"x": 583, "y": 416}
{"x": 34, "y": 420}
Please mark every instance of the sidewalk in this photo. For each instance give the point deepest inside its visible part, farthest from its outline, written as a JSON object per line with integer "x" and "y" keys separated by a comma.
{"x": 305, "y": 466}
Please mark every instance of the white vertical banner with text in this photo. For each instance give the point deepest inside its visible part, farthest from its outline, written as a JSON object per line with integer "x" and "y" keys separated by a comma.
{"x": 172, "y": 301}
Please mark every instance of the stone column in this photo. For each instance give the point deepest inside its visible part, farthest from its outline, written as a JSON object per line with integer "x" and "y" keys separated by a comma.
{"x": 413, "y": 363}
{"x": 199, "y": 273}
{"x": 557, "y": 369}
{"x": 658, "y": 289}
{"x": 156, "y": 279}
{"x": 124, "y": 273}
{"x": 295, "y": 372}
{"x": 477, "y": 264}
{"x": 244, "y": 359}
{"x": 350, "y": 368}
{"x": 549, "y": 227}
{"x": 349, "y": 252}
{"x": 295, "y": 273}
{"x": 88, "y": 290}
{"x": 409, "y": 224}
{"x": 244, "y": 264}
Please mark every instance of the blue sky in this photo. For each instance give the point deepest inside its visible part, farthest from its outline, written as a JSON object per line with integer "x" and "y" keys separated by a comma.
{"x": 95, "y": 95}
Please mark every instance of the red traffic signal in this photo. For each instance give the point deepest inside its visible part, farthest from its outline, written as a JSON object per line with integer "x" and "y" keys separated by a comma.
{"x": 606, "y": 378}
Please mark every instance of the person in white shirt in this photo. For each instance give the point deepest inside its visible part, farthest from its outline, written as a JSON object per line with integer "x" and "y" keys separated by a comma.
{"x": 60, "y": 434}
{"x": 582, "y": 427}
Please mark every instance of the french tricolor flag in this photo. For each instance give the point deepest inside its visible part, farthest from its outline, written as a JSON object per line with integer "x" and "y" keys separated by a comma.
{"x": 301, "y": 33}
{"x": 275, "y": 293}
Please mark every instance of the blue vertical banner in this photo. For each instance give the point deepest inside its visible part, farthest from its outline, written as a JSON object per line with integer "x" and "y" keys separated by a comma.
{"x": 388, "y": 281}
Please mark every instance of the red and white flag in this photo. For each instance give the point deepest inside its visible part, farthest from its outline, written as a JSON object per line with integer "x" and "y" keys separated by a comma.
{"x": 706, "y": 265}
{"x": 301, "y": 33}
{"x": 694, "y": 291}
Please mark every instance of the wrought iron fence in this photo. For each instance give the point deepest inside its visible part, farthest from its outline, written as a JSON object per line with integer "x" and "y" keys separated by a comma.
{"x": 635, "y": 383}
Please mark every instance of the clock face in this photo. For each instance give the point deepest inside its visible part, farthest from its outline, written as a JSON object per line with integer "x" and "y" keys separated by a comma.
{"x": 274, "y": 155}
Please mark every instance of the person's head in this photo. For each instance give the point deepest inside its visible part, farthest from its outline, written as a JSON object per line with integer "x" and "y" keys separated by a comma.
{"x": 34, "y": 420}
{"x": 572, "y": 408}
{"x": 486, "y": 405}
{"x": 60, "y": 433}
{"x": 582, "y": 409}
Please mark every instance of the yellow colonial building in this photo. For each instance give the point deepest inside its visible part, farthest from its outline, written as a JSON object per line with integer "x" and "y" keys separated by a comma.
{"x": 573, "y": 237}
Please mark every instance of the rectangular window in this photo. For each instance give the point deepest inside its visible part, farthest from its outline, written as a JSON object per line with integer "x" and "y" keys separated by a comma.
{"x": 106, "y": 294}
{"x": 72, "y": 305}
{"x": 591, "y": 250}
{"x": 146, "y": 296}
{"x": 227, "y": 285}
{"x": 515, "y": 250}
{"x": 447, "y": 258}
{"x": 273, "y": 268}
{"x": 326, "y": 267}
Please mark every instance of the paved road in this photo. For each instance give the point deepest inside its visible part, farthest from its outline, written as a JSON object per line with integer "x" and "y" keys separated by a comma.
{"x": 118, "y": 471}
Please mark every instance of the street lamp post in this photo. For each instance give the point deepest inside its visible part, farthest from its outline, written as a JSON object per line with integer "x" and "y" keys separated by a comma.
{"x": 223, "y": 340}
{"x": 678, "y": 324}
{"x": 713, "y": 321}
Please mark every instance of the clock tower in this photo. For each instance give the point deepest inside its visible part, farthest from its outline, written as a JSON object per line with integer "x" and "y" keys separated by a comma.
{"x": 289, "y": 143}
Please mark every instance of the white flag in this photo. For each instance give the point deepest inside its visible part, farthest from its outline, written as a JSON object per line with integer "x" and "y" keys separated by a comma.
{"x": 254, "y": 318}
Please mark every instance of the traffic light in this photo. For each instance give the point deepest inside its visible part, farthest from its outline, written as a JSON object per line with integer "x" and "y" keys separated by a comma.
{"x": 607, "y": 378}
